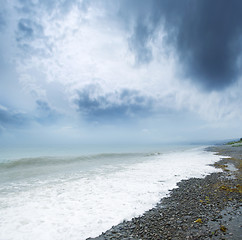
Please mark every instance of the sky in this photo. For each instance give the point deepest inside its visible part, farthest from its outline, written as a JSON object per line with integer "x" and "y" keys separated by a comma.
{"x": 125, "y": 71}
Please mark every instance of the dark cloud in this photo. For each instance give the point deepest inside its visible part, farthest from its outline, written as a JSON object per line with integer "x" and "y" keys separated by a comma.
{"x": 46, "y": 114}
{"x": 28, "y": 29}
{"x": 12, "y": 119}
{"x": 64, "y": 6}
{"x": 206, "y": 35}
{"x": 25, "y": 29}
{"x": 115, "y": 106}
{"x": 43, "y": 106}
{"x": 138, "y": 43}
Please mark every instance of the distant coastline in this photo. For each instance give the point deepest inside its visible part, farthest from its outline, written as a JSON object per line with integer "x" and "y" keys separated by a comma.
{"x": 235, "y": 143}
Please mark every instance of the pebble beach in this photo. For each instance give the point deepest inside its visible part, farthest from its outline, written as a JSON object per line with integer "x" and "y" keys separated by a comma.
{"x": 200, "y": 208}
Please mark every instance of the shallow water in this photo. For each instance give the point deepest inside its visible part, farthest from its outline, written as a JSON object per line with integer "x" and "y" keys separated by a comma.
{"x": 80, "y": 196}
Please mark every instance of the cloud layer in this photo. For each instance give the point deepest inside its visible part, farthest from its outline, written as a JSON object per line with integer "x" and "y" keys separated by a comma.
{"x": 154, "y": 66}
{"x": 118, "y": 106}
{"x": 205, "y": 35}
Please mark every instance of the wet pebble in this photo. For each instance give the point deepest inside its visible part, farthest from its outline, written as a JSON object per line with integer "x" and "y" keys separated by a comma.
{"x": 175, "y": 216}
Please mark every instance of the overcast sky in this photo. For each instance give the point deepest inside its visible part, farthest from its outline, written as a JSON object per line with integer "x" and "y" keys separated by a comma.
{"x": 140, "y": 71}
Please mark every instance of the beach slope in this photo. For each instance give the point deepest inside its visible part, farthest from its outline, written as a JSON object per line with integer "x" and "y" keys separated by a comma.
{"x": 200, "y": 208}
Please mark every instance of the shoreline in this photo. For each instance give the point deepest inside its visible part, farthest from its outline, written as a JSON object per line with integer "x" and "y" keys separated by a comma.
{"x": 200, "y": 208}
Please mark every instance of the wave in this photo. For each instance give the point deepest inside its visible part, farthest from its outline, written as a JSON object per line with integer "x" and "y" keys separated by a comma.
{"x": 87, "y": 203}
{"x": 50, "y": 160}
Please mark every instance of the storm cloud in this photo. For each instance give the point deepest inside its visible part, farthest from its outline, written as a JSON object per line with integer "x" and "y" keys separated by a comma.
{"x": 114, "y": 106}
{"x": 9, "y": 118}
{"x": 205, "y": 35}
{"x": 151, "y": 67}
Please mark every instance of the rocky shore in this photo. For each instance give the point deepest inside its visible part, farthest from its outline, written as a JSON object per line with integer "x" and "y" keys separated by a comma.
{"x": 207, "y": 208}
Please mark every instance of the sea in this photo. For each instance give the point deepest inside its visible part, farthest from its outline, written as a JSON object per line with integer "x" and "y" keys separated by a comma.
{"x": 76, "y": 192}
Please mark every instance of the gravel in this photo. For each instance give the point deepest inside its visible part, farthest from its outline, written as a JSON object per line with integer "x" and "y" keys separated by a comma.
{"x": 200, "y": 208}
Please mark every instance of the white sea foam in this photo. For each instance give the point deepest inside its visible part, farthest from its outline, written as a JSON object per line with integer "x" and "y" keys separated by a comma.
{"x": 83, "y": 201}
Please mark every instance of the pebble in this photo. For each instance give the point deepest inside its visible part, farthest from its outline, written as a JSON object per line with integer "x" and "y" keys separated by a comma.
{"x": 175, "y": 216}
